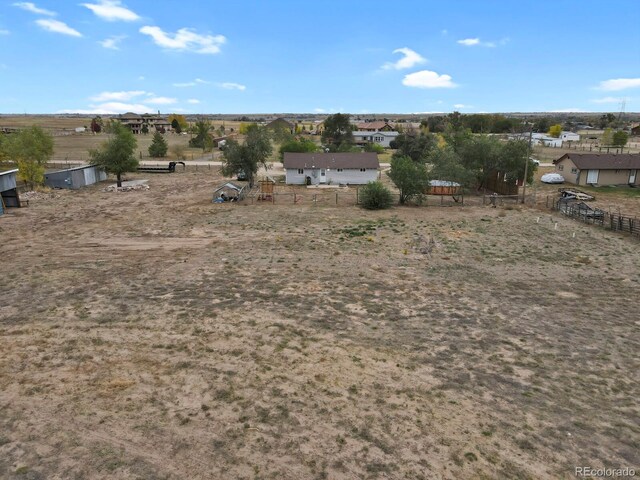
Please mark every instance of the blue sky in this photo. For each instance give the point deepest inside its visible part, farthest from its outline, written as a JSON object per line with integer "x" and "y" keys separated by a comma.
{"x": 108, "y": 56}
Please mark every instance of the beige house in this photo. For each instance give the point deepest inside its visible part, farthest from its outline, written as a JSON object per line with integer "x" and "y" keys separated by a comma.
{"x": 599, "y": 169}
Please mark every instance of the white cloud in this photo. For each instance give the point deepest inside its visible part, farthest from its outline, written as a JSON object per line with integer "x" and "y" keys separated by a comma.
{"x": 197, "y": 81}
{"x": 141, "y": 77}
{"x": 473, "y": 42}
{"x": 112, "y": 11}
{"x": 427, "y": 79}
{"x": 185, "y": 40}
{"x": 118, "y": 96}
{"x": 319, "y": 110}
{"x": 408, "y": 60}
{"x": 608, "y": 100}
{"x": 162, "y": 100}
{"x": 30, "y": 7}
{"x": 111, "y": 108}
{"x": 462, "y": 105}
{"x": 445, "y": 32}
{"x": 619, "y": 84}
{"x": 112, "y": 42}
{"x": 4, "y": 32}
{"x": 57, "y": 26}
{"x": 232, "y": 86}
{"x": 469, "y": 42}
{"x": 193, "y": 101}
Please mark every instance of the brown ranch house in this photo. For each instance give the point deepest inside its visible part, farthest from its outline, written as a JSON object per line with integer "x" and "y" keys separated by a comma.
{"x": 599, "y": 169}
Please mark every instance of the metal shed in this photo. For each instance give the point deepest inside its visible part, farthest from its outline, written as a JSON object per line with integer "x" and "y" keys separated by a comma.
{"x": 9, "y": 190}
{"x": 75, "y": 178}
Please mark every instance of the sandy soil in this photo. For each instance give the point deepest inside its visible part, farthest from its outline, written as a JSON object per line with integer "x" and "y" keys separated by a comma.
{"x": 152, "y": 334}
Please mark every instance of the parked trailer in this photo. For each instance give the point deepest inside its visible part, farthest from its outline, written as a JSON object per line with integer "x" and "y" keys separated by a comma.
{"x": 169, "y": 169}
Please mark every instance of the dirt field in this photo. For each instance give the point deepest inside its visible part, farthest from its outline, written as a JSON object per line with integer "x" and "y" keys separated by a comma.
{"x": 152, "y": 334}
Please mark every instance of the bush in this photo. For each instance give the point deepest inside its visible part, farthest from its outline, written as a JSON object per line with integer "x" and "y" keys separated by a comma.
{"x": 375, "y": 196}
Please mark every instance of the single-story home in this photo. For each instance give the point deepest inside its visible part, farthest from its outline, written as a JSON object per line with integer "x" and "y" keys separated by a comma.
{"x": 635, "y": 129}
{"x": 599, "y": 169}
{"x": 380, "y": 137}
{"x": 75, "y": 178}
{"x": 9, "y": 196}
{"x": 569, "y": 137}
{"x": 281, "y": 124}
{"x": 330, "y": 168}
{"x": 546, "y": 140}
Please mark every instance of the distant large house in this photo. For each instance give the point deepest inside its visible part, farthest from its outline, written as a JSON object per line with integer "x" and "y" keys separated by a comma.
{"x": 154, "y": 123}
{"x": 383, "y": 138}
{"x": 330, "y": 168}
{"x": 599, "y": 169}
{"x": 547, "y": 140}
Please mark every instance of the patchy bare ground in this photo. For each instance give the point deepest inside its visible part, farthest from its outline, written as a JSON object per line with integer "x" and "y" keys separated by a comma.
{"x": 153, "y": 334}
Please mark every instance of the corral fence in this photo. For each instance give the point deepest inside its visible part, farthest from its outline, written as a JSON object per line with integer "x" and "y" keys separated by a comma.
{"x": 616, "y": 222}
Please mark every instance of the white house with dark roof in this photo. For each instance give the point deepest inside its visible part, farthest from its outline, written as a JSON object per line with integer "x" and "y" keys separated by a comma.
{"x": 330, "y": 168}
{"x": 380, "y": 137}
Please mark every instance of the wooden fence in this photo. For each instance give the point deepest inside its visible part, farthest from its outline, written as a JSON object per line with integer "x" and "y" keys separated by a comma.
{"x": 610, "y": 221}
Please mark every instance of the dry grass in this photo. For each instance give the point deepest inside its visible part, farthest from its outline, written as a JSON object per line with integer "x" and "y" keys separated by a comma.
{"x": 153, "y": 334}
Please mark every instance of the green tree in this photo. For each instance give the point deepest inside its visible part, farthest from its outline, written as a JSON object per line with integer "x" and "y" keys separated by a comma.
{"x": 410, "y": 177}
{"x": 202, "y": 138}
{"x": 249, "y": 156}
{"x": 555, "y": 130}
{"x": 117, "y": 154}
{"x": 447, "y": 166}
{"x": 415, "y": 145}
{"x": 373, "y": 147}
{"x": 145, "y": 128}
{"x": 175, "y": 124}
{"x": 512, "y": 157}
{"x": 607, "y": 137}
{"x": 302, "y": 145}
{"x": 620, "y": 138}
{"x": 375, "y": 196}
{"x": 182, "y": 122}
{"x": 338, "y": 131}
{"x": 31, "y": 148}
{"x": 158, "y": 147}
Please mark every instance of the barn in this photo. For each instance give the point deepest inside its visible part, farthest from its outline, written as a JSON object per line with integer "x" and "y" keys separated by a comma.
{"x": 9, "y": 190}
{"x": 330, "y": 168}
{"x": 75, "y": 178}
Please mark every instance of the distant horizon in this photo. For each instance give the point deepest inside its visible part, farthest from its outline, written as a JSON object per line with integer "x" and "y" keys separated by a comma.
{"x": 107, "y": 57}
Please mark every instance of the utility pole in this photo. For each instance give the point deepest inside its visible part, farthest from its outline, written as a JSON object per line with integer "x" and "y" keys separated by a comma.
{"x": 526, "y": 164}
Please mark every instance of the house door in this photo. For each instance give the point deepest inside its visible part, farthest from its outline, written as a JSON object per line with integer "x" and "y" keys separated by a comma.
{"x": 632, "y": 177}
{"x": 592, "y": 176}
{"x": 323, "y": 175}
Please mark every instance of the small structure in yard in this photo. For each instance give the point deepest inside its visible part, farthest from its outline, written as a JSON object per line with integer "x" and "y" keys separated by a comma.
{"x": 229, "y": 192}
{"x": 599, "y": 169}
{"x": 330, "y": 168}
{"x": 75, "y": 178}
{"x": 266, "y": 188}
{"x": 444, "y": 187}
{"x": 9, "y": 196}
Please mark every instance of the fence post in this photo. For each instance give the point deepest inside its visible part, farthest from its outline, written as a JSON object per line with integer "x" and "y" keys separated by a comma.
{"x": 336, "y": 198}
{"x": 357, "y": 195}
{"x": 294, "y": 198}
{"x": 314, "y": 199}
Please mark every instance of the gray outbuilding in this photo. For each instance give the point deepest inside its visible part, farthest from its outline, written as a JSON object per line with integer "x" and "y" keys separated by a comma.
{"x": 9, "y": 190}
{"x": 75, "y": 178}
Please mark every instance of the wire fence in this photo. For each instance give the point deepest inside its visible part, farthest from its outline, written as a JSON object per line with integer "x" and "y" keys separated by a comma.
{"x": 582, "y": 212}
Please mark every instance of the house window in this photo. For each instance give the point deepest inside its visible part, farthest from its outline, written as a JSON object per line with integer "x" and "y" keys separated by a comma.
{"x": 574, "y": 170}
{"x": 300, "y": 171}
{"x": 363, "y": 169}
{"x": 560, "y": 167}
{"x": 339, "y": 169}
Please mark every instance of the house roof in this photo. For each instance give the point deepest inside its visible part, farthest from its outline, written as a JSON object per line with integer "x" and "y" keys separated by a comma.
{"x": 603, "y": 161}
{"x": 280, "y": 122}
{"x": 370, "y": 125}
{"x": 360, "y": 133}
{"x": 7, "y": 172}
{"x": 331, "y": 160}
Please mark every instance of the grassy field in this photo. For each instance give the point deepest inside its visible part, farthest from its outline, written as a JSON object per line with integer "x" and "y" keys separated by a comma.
{"x": 152, "y": 334}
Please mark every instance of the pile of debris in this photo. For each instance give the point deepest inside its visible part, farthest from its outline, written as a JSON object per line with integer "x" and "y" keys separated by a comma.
{"x": 126, "y": 188}
{"x": 35, "y": 195}
{"x": 422, "y": 245}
